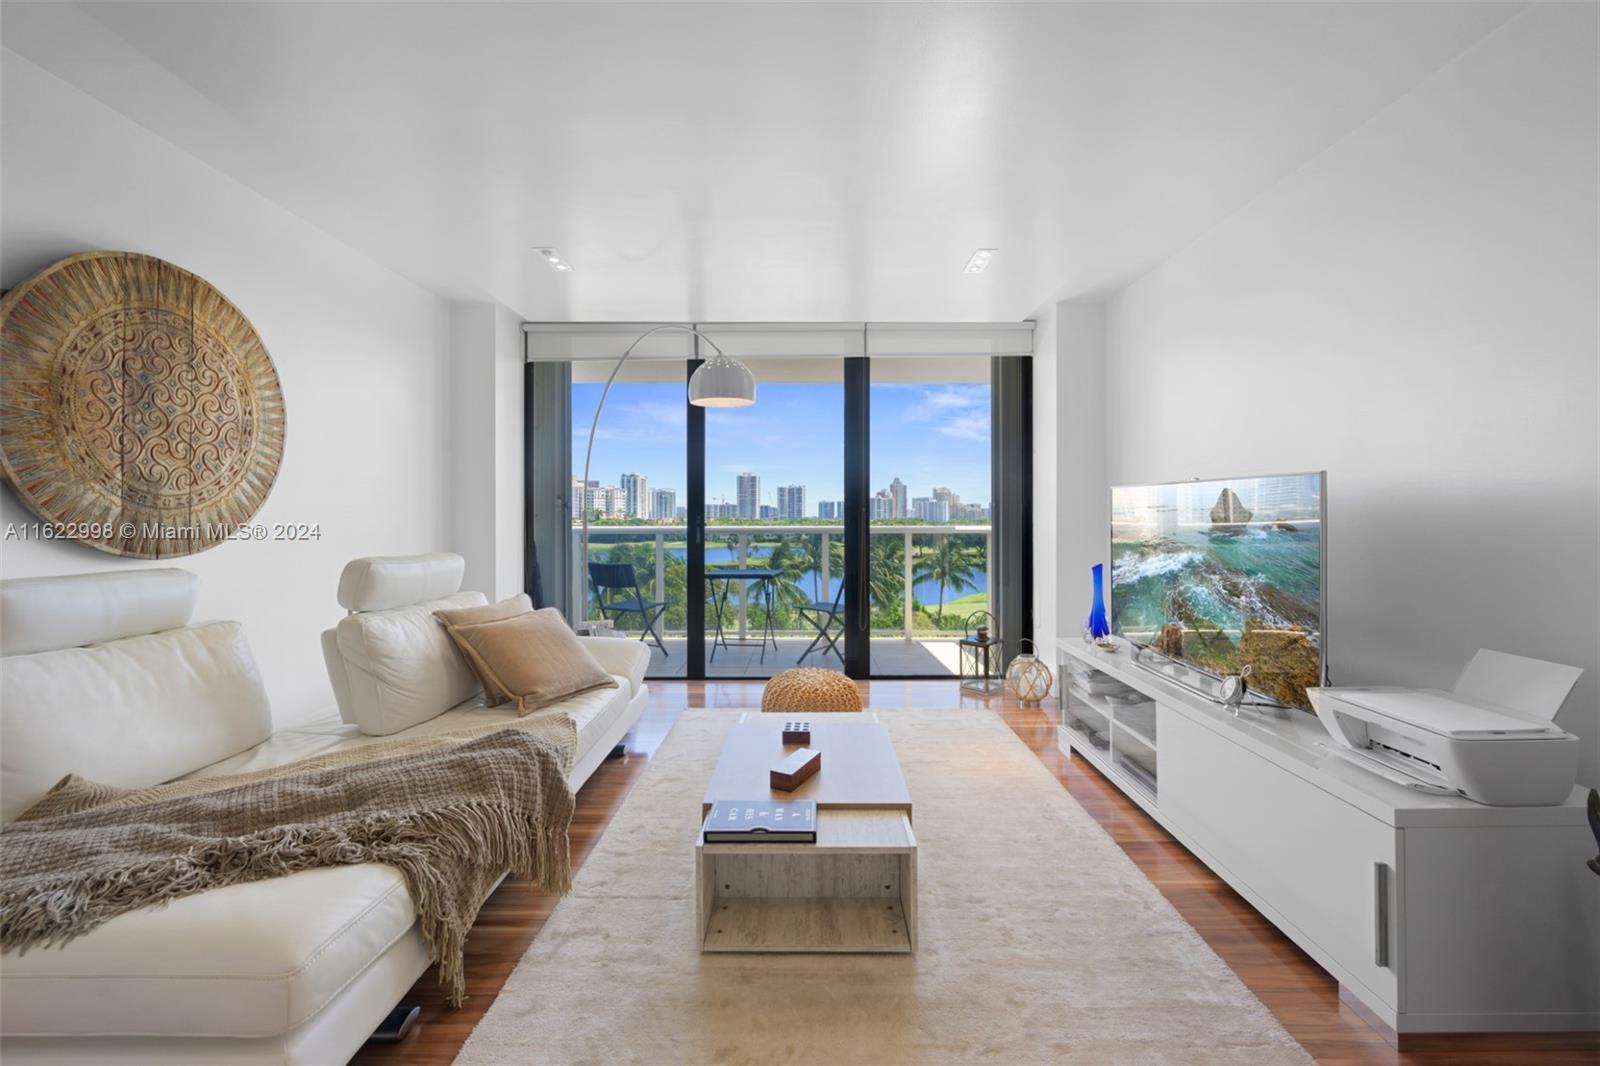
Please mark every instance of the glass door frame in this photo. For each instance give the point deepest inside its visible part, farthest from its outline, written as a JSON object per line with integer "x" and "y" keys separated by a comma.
{"x": 857, "y": 526}
{"x": 857, "y": 645}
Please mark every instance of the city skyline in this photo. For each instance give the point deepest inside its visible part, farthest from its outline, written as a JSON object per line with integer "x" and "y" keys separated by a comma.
{"x": 633, "y": 497}
{"x": 926, "y": 436}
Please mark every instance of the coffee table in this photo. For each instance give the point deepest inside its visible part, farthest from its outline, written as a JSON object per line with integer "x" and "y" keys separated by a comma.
{"x": 855, "y": 889}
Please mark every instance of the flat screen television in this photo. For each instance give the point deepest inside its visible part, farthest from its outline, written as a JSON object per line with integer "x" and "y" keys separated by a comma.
{"x": 1226, "y": 574}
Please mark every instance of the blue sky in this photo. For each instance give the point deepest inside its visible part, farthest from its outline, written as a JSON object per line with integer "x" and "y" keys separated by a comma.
{"x": 925, "y": 435}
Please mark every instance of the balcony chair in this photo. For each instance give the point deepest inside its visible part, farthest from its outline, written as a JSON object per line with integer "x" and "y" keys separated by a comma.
{"x": 622, "y": 578}
{"x": 822, "y": 615}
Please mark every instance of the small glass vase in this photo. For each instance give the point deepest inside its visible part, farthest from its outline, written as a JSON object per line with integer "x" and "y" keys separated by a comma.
{"x": 1098, "y": 627}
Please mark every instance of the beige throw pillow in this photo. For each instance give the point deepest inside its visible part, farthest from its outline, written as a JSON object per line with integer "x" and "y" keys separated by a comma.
{"x": 493, "y": 695}
{"x": 534, "y": 658}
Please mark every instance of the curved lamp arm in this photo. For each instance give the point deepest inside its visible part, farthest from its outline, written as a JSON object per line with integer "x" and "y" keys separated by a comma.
{"x": 594, "y": 423}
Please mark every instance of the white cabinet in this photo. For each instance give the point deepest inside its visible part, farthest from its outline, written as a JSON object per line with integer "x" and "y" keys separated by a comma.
{"x": 1504, "y": 929}
{"x": 1325, "y": 867}
{"x": 1439, "y": 914}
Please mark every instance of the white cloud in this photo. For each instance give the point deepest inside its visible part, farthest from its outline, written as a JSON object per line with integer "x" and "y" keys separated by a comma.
{"x": 970, "y": 426}
{"x": 952, "y": 398}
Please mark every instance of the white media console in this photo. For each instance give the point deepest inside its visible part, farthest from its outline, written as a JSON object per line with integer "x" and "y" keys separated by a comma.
{"x": 1437, "y": 913}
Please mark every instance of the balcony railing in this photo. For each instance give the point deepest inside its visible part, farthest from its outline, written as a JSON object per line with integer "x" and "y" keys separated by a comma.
{"x": 738, "y": 541}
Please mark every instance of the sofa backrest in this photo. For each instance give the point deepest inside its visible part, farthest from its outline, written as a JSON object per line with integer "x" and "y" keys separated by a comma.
{"x": 390, "y": 661}
{"x": 102, "y": 676}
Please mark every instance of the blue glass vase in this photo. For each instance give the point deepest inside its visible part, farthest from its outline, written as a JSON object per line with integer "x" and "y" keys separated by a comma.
{"x": 1098, "y": 626}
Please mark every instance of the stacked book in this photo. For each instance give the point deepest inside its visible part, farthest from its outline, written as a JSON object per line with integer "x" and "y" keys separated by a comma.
{"x": 762, "y": 822}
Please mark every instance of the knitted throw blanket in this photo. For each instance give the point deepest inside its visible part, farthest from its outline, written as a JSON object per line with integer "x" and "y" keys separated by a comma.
{"x": 452, "y": 812}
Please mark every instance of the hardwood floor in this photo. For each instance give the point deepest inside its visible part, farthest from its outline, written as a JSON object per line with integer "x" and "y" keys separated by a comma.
{"x": 1303, "y": 997}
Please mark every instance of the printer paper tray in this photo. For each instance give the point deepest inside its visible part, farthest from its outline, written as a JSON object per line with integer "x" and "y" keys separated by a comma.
{"x": 1404, "y": 776}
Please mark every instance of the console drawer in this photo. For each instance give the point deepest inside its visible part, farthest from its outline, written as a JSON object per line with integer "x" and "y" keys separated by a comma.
{"x": 1328, "y": 869}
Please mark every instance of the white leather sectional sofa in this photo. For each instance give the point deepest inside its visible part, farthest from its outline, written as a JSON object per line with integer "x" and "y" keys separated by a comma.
{"x": 104, "y": 675}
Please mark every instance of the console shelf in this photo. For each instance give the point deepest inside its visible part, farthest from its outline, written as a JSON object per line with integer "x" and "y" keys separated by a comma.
{"x": 1437, "y": 913}
{"x": 1114, "y": 723}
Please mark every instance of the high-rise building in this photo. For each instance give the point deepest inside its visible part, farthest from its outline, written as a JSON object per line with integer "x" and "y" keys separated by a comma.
{"x": 766, "y": 510}
{"x": 791, "y": 501}
{"x": 722, "y": 509}
{"x": 883, "y": 504}
{"x": 610, "y": 501}
{"x": 749, "y": 495}
{"x": 830, "y": 509}
{"x": 636, "y": 496}
{"x": 931, "y": 509}
{"x": 951, "y": 501}
{"x": 897, "y": 489}
{"x": 584, "y": 499}
{"x": 663, "y": 503}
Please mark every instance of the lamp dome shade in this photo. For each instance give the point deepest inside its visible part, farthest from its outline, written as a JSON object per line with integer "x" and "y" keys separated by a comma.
{"x": 722, "y": 382}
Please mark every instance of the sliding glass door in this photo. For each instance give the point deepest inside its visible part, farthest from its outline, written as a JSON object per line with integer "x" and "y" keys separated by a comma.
{"x": 929, "y": 510}
{"x": 774, "y": 550}
{"x": 635, "y": 578}
{"x": 844, "y": 521}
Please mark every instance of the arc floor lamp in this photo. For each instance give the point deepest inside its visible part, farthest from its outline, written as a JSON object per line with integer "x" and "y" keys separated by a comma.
{"x": 719, "y": 382}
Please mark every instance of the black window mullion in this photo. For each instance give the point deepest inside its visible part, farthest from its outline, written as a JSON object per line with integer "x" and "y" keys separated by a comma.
{"x": 694, "y": 586}
{"x": 1011, "y": 508}
{"x": 857, "y": 530}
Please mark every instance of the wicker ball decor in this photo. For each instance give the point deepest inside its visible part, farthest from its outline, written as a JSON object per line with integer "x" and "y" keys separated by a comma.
{"x": 143, "y": 415}
{"x": 810, "y": 689}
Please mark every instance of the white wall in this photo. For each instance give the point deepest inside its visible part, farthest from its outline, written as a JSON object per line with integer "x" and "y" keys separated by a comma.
{"x": 1082, "y": 506}
{"x": 1415, "y": 311}
{"x": 361, "y": 353}
{"x": 486, "y": 490}
{"x": 1046, "y": 466}
{"x": 1069, "y": 440}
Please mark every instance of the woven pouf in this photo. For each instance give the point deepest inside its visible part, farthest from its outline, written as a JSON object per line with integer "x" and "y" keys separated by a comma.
{"x": 810, "y": 689}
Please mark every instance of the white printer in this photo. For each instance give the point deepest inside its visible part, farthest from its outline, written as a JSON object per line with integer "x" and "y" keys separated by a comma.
{"x": 1491, "y": 738}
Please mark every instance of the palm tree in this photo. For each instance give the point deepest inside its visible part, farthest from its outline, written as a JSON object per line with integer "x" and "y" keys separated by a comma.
{"x": 885, "y": 580}
{"x": 811, "y": 547}
{"x": 790, "y": 558}
{"x": 951, "y": 561}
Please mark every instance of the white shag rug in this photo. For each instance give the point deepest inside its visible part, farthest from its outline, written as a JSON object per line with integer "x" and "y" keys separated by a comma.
{"x": 1038, "y": 939}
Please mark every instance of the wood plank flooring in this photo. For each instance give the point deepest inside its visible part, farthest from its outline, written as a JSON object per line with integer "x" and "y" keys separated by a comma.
{"x": 1303, "y": 997}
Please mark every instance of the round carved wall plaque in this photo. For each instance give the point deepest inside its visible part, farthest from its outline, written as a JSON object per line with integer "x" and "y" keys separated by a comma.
{"x": 139, "y": 411}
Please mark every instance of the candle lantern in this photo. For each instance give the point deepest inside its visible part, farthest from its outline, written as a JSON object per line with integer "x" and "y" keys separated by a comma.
{"x": 1028, "y": 678}
{"x": 980, "y": 655}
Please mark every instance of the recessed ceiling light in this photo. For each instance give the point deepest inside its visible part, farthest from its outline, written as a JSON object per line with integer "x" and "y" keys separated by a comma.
{"x": 980, "y": 260}
{"x": 555, "y": 260}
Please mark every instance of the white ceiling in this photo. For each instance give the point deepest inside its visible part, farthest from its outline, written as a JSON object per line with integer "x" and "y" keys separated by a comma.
{"x": 754, "y": 162}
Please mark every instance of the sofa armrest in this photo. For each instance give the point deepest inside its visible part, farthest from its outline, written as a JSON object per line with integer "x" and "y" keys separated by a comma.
{"x": 617, "y": 655}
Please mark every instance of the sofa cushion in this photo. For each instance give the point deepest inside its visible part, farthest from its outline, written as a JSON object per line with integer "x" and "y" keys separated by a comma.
{"x": 130, "y": 713}
{"x": 243, "y": 961}
{"x": 534, "y": 658}
{"x": 493, "y": 694}
{"x": 381, "y": 582}
{"x": 48, "y": 613}
{"x": 629, "y": 658}
{"x": 338, "y": 676}
{"x": 401, "y": 667}
{"x": 593, "y": 713}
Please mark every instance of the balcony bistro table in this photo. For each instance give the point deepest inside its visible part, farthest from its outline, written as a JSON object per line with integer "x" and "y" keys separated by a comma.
{"x": 768, "y": 580}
